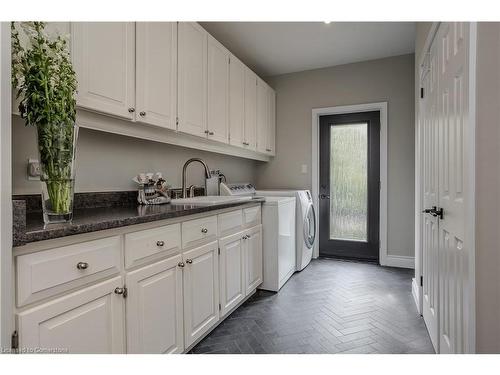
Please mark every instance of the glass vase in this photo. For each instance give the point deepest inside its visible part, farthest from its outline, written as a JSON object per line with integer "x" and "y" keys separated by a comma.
{"x": 57, "y": 151}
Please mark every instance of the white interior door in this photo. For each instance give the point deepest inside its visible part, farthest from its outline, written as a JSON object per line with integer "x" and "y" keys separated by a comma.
{"x": 446, "y": 257}
{"x": 156, "y": 77}
{"x": 429, "y": 123}
{"x": 453, "y": 119}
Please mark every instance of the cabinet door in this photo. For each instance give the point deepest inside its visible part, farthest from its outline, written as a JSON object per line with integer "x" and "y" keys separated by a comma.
{"x": 156, "y": 73}
{"x": 271, "y": 137}
{"x": 201, "y": 291}
{"x": 218, "y": 91}
{"x": 236, "y": 102}
{"x": 154, "y": 308}
{"x": 103, "y": 55}
{"x": 231, "y": 272}
{"x": 192, "y": 79}
{"x": 262, "y": 115}
{"x": 253, "y": 258}
{"x": 88, "y": 321}
{"x": 250, "y": 133}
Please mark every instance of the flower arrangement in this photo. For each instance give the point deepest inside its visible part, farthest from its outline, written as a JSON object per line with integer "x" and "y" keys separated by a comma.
{"x": 46, "y": 85}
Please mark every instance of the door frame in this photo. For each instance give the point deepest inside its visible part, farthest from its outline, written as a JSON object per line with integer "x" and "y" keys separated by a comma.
{"x": 469, "y": 188}
{"x": 357, "y": 108}
{"x": 6, "y": 265}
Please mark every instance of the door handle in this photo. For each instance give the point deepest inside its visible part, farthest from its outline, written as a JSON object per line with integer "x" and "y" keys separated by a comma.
{"x": 324, "y": 196}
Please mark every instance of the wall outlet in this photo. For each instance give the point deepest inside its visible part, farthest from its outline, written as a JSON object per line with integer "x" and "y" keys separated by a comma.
{"x": 33, "y": 170}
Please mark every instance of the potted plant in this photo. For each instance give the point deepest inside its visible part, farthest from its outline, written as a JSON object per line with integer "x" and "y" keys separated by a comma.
{"x": 46, "y": 85}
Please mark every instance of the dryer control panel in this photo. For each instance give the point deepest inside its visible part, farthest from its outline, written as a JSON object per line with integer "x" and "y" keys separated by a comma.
{"x": 244, "y": 189}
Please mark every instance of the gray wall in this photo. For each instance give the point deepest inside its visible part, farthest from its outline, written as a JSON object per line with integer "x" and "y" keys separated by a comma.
{"x": 488, "y": 189}
{"x": 390, "y": 79}
{"x": 107, "y": 162}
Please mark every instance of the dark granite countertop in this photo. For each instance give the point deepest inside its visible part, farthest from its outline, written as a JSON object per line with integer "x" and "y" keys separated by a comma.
{"x": 91, "y": 219}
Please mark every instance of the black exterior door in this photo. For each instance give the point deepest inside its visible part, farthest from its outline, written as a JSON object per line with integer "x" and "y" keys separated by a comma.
{"x": 349, "y": 201}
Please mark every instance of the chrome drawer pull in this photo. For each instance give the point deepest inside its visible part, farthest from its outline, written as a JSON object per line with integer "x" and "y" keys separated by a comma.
{"x": 82, "y": 265}
{"x": 160, "y": 243}
{"x": 180, "y": 264}
{"x": 204, "y": 230}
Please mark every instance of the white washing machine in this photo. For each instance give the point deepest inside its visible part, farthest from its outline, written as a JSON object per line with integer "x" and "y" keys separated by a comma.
{"x": 305, "y": 223}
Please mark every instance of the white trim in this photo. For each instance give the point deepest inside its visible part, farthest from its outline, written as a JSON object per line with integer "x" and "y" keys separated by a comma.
{"x": 415, "y": 287}
{"x": 367, "y": 107}
{"x": 470, "y": 217}
{"x": 418, "y": 167}
{"x": 400, "y": 261}
{"x": 6, "y": 308}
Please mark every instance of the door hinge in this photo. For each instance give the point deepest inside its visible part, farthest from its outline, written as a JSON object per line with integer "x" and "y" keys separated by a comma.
{"x": 14, "y": 342}
{"x": 421, "y": 281}
{"x": 421, "y": 93}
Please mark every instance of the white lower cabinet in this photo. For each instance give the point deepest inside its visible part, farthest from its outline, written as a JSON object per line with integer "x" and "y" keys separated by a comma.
{"x": 154, "y": 308}
{"x": 201, "y": 291}
{"x": 253, "y": 258}
{"x": 90, "y": 320}
{"x": 231, "y": 272}
{"x": 163, "y": 301}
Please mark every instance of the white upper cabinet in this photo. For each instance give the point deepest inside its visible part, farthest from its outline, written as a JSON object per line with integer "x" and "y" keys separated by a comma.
{"x": 250, "y": 133}
{"x": 103, "y": 55}
{"x": 218, "y": 91}
{"x": 154, "y": 308}
{"x": 266, "y": 125}
{"x": 262, "y": 115}
{"x": 156, "y": 73}
{"x": 192, "y": 79}
{"x": 236, "y": 102}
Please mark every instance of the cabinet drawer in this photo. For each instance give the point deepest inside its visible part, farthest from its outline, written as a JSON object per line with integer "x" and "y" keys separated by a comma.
{"x": 199, "y": 231}
{"x": 230, "y": 222}
{"x": 251, "y": 216}
{"x": 49, "y": 272}
{"x": 152, "y": 243}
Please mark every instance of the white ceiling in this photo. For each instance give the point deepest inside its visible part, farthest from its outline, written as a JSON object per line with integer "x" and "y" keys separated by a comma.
{"x": 272, "y": 48}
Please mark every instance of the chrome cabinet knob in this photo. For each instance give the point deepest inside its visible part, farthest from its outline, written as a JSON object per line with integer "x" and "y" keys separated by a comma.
{"x": 204, "y": 230}
{"x": 82, "y": 265}
{"x": 131, "y": 110}
{"x": 248, "y": 236}
{"x": 121, "y": 291}
{"x": 160, "y": 243}
{"x": 142, "y": 113}
{"x": 181, "y": 264}
{"x": 246, "y": 143}
{"x": 268, "y": 150}
{"x": 206, "y": 132}
{"x": 211, "y": 133}
{"x": 189, "y": 261}
{"x": 245, "y": 237}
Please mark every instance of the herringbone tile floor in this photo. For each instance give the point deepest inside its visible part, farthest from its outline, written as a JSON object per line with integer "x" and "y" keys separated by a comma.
{"x": 332, "y": 306}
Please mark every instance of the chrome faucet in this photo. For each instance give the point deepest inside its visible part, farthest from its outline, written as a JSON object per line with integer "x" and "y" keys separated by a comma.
{"x": 207, "y": 174}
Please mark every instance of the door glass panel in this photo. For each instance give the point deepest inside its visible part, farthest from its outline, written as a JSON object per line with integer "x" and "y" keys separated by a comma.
{"x": 349, "y": 181}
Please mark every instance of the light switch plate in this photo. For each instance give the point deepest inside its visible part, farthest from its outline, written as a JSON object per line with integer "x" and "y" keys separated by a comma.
{"x": 33, "y": 170}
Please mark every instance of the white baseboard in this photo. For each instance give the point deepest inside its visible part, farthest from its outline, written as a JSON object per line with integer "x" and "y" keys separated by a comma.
{"x": 416, "y": 293}
{"x": 399, "y": 261}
